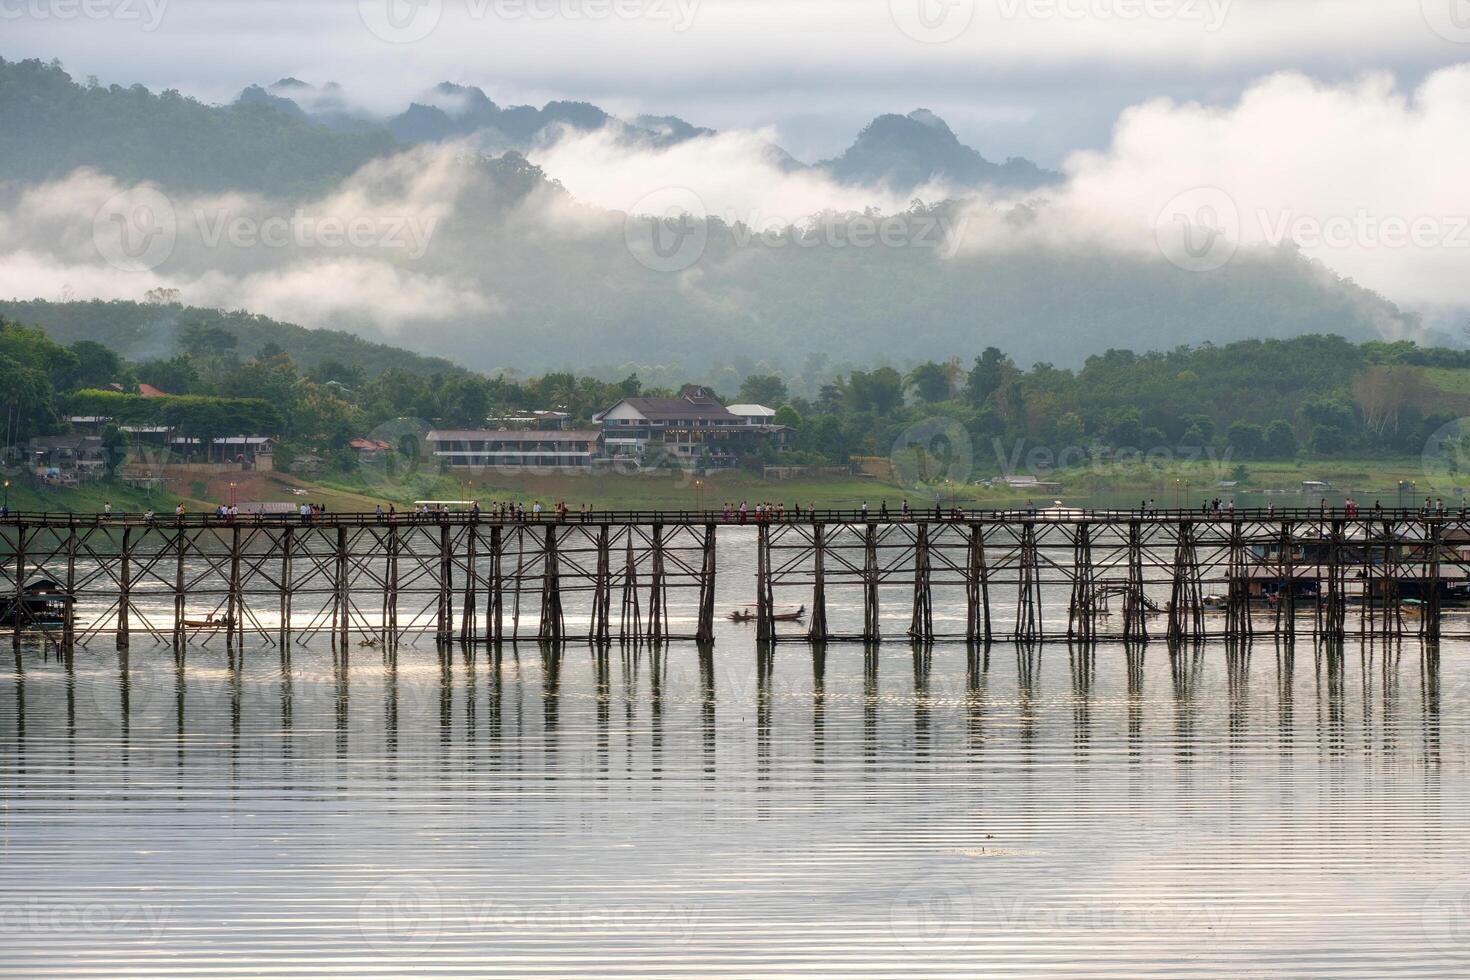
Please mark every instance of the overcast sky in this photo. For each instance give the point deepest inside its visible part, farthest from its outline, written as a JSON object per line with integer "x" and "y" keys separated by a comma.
{"x": 1013, "y": 77}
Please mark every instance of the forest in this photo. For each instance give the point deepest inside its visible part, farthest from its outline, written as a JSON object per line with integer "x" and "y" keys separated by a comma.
{"x": 1310, "y": 397}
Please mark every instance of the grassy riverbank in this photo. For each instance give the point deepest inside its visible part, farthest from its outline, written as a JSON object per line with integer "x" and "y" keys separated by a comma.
{"x": 1184, "y": 483}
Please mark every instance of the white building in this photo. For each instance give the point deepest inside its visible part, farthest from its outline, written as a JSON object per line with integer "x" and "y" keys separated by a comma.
{"x": 753, "y": 414}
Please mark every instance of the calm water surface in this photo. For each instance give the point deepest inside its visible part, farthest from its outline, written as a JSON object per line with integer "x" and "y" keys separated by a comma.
{"x": 1219, "y": 813}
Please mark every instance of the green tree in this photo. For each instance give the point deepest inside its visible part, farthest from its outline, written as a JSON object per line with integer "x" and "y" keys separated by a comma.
{"x": 97, "y": 365}
{"x": 1280, "y": 440}
{"x": 1247, "y": 439}
{"x": 986, "y": 376}
{"x": 930, "y": 382}
{"x": 763, "y": 389}
{"x": 115, "y": 447}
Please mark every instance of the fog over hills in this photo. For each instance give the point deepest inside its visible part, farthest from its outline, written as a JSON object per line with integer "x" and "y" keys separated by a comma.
{"x": 563, "y": 236}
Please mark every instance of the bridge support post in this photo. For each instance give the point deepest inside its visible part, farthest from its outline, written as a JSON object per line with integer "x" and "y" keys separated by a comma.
{"x": 872, "y": 630}
{"x": 125, "y": 588}
{"x": 1028, "y": 593}
{"x": 977, "y": 589}
{"x": 1429, "y": 627}
{"x": 234, "y": 601}
{"x": 630, "y": 625}
{"x": 20, "y": 614}
{"x": 470, "y": 606}
{"x": 495, "y": 591}
{"x": 765, "y": 626}
{"x": 288, "y": 542}
{"x": 340, "y": 599}
{"x": 180, "y": 546}
{"x": 551, "y": 617}
{"x": 1237, "y": 595}
{"x": 921, "y": 625}
{"x": 706, "y": 630}
{"x": 1135, "y": 619}
{"x": 601, "y": 591}
{"x": 69, "y": 626}
{"x": 1080, "y": 622}
{"x": 818, "y": 631}
{"x": 657, "y": 590}
{"x": 389, "y": 625}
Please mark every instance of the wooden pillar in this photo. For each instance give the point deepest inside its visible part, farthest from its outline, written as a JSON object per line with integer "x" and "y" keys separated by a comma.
{"x": 630, "y": 622}
{"x": 657, "y": 591}
{"x": 977, "y": 590}
{"x": 1080, "y": 620}
{"x": 551, "y": 616}
{"x": 1028, "y": 592}
{"x": 69, "y": 627}
{"x": 1336, "y": 601}
{"x": 20, "y": 614}
{"x": 125, "y": 588}
{"x": 444, "y": 625}
{"x": 496, "y": 589}
{"x": 819, "y": 632}
{"x": 706, "y": 631}
{"x": 599, "y": 629}
{"x": 921, "y": 623}
{"x": 341, "y": 601}
{"x": 1429, "y": 624}
{"x": 234, "y": 607}
{"x": 288, "y": 542}
{"x": 180, "y": 605}
{"x": 1237, "y": 593}
{"x": 872, "y": 630}
{"x": 1286, "y": 599}
{"x": 1135, "y": 622}
{"x": 389, "y": 617}
{"x": 467, "y": 625}
{"x": 765, "y": 626}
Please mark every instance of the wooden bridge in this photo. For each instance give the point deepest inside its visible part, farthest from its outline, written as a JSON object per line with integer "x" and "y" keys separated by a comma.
{"x": 621, "y": 576}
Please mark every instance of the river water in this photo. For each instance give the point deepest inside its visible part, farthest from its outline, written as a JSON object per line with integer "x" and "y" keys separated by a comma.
{"x": 1220, "y": 812}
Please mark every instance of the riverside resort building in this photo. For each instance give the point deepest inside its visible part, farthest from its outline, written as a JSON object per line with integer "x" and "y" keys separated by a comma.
{"x": 691, "y": 429}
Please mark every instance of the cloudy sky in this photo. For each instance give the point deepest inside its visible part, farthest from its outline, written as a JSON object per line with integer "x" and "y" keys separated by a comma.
{"x": 1014, "y": 77}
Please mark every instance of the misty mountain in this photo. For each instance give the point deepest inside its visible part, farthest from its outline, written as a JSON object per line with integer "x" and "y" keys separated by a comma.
{"x": 906, "y": 152}
{"x": 901, "y": 152}
{"x": 517, "y": 273}
{"x": 50, "y": 125}
{"x": 144, "y": 331}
